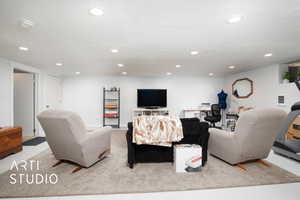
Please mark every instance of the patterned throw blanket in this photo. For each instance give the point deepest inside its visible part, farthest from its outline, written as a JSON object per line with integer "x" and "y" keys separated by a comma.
{"x": 157, "y": 130}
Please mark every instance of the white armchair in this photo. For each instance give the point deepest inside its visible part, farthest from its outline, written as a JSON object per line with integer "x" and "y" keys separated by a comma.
{"x": 70, "y": 140}
{"x": 253, "y": 138}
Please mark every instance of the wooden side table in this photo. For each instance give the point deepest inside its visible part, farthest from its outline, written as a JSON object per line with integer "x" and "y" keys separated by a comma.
{"x": 10, "y": 141}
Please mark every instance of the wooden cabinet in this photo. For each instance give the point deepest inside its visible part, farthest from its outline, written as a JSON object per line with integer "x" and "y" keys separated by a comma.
{"x": 10, "y": 141}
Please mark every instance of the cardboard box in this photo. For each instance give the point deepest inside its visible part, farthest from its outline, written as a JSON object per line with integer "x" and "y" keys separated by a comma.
{"x": 187, "y": 158}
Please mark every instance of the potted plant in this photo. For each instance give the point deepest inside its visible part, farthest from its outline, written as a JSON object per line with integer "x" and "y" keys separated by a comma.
{"x": 286, "y": 77}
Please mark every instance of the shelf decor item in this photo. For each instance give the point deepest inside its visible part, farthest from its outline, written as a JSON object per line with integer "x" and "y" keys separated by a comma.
{"x": 111, "y": 107}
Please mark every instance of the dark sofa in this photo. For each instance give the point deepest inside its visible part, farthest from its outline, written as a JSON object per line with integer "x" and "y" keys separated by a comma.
{"x": 194, "y": 131}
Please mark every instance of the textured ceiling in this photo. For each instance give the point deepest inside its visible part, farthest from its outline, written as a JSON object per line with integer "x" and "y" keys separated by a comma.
{"x": 152, "y": 35}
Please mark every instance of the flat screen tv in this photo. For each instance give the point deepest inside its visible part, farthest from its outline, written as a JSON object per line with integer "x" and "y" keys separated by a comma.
{"x": 152, "y": 98}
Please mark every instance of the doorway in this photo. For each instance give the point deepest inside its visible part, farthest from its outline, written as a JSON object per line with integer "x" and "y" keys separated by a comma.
{"x": 24, "y": 102}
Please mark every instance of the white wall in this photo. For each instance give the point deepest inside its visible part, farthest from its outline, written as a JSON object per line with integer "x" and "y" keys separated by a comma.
{"x": 6, "y": 95}
{"x": 84, "y": 94}
{"x": 53, "y": 92}
{"x": 267, "y": 88}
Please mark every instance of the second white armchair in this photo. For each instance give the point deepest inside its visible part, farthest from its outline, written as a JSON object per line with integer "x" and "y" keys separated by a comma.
{"x": 253, "y": 138}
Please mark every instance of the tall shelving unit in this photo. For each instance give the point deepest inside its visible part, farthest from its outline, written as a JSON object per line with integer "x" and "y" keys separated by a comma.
{"x": 111, "y": 107}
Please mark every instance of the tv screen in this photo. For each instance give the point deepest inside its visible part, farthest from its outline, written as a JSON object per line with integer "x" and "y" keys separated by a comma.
{"x": 149, "y": 98}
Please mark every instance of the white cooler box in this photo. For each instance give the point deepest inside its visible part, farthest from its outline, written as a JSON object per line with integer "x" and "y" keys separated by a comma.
{"x": 187, "y": 158}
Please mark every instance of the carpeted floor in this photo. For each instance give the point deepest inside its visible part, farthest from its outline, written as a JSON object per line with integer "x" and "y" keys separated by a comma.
{"x": 112, "y": 176}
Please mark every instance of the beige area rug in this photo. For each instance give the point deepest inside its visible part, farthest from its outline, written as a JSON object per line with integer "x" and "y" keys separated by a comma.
{"x": 112, "y": 175}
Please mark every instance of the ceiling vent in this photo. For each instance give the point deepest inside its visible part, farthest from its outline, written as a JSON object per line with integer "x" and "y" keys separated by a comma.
{"x": 26, "y": 23}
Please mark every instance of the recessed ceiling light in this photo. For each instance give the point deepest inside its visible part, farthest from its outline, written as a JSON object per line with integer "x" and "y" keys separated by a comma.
{"x": 23, "y": 48}
{"x": 77, "y": 73}
{"x": 194, "y": 52}
{"x": 211, "y": 74}
{"x": 59, "y": 64}
{"x": 96, "y": 12}
{"x": 120, "y": 65}
{"x": 124, "y": 73}
{"x": 26, "y": 23}
{"x": 231, "y": 67}
{"x": 234, "y": 19}
{"x": 169, "y": 73}
{"x": 177, "y": 66}
{"x": 268, "y": 54}
{"x": 114, "y": 50}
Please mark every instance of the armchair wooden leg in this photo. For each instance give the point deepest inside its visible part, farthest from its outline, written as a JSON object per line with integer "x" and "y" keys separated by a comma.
{"x": 263, "y": 163}
{"x": 76, "y": 170}
{"x": 58, "y": 163}
{"x": 241, "y": 167}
